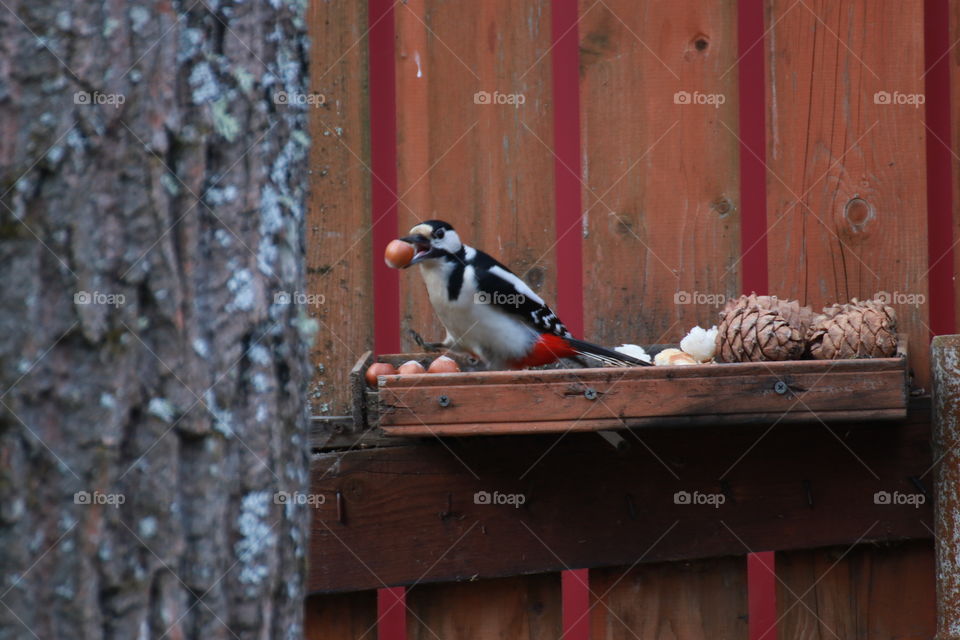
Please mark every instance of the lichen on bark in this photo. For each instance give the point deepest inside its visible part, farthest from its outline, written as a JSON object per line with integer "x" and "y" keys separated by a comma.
{"x": 151, "y": 386}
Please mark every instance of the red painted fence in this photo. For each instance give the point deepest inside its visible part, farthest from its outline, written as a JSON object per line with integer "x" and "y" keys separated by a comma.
{"x": 666, "y": 155}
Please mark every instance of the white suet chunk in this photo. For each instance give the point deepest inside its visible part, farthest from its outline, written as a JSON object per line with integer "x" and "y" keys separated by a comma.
{"x": 669, "y": 357}
{"x": 634, "y": 351}
{"x": 700, "y": 343}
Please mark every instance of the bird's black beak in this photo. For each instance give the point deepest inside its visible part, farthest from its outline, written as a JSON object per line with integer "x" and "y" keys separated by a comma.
{"x": 425, "y": 250}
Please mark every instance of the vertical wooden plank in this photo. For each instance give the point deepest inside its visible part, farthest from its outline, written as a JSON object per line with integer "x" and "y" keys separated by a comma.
{"x": 661, "y": 195}
{"x": 941, "y": 165}
{"x": 871, "y": 592}
{"x": 391, "y": 613}
{"x": 691, "y": 600}
{"x": 338, "y": 219}
{"x": 383, "y": 168}
{"x": 484, "y": 167}
{"x": 346, "y": 616}
{"x": 762, "y": 595}
{"x": 952, "y": 60}
{"x": 847, "y": 181}
{"x": 519, "y": 608}
{"x": 575, "y": 588}
{"x": 565, "y": 64}
{"x": 753, "y": 145}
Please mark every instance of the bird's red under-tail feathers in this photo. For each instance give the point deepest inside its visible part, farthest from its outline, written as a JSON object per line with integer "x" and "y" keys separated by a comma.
{"x": 549, "y": 348}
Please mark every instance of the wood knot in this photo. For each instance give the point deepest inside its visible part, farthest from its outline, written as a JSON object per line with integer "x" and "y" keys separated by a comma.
{"x": 700, "y": 42}
{"x": 858, "y": 213}
{"x": 722, "y": 207}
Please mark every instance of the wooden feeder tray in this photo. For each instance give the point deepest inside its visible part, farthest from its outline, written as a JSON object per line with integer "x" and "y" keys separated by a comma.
{"x": 472, "y": 403}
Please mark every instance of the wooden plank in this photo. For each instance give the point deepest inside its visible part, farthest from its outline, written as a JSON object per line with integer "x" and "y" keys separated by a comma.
{"x": 953, "y": 62}
{"x": 867, "y": 592}
{"x": 609, "y": 374}
{"x": 847, "y": 213}
{"x": 631, "y": 398}
{"x": 703, "y": 599}
{"x": 593, "y": 505}
{"x": 519, "y": 608}
{"x": 344, "y": 616}
{"x": 795, "y": 416}
{"x": 485, "y": 168}
{"x": 940, "y": 33}
{"x": 338, "y": 219}
{"x": 661, "y": 190}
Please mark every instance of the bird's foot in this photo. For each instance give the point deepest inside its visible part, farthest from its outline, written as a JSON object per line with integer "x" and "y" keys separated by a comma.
{"x": 426, "y": 346}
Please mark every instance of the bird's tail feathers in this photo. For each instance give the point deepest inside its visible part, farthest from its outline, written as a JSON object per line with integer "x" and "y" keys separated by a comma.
{"x": 608, "y": 357}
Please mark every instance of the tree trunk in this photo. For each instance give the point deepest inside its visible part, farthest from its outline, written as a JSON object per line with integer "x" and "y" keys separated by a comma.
{"x": 152, "y": 376}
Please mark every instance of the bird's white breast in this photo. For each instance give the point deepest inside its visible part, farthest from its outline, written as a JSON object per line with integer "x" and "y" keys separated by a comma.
{"x": 480, "y": 328}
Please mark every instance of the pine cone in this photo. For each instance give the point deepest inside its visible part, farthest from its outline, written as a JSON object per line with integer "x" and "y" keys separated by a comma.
{"x": 756, "y": 328}
{"x": 854, "y": 330}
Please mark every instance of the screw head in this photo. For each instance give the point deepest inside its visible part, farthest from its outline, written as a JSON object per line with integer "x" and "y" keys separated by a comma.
{"x": 780, "y": 387}
{"x": 444, "y": 401}
{"x": 590, "y": 394}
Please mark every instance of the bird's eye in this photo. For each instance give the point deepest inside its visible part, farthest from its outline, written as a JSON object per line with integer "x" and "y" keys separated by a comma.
{"x": 438, "y": 234}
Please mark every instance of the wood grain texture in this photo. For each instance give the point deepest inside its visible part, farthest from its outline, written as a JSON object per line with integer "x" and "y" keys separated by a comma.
{"x": 661, "y": 190}
{"x": 865, "y": 593}
{"x": 633, "y": 398}
{"x": 339, "y": 264}
{"x": 953, "y": 62}
{"x": 519, "y": 608}
{"x": 485, "y": 168}
{"x": 342, "y": 616}
{"x": 847, "y": 183}
{"x": 703, "y": 599}
{"x": 595, "y": 505}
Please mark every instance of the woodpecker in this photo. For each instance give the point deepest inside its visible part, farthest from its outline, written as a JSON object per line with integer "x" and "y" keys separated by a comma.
{"x": 488, "y": 311}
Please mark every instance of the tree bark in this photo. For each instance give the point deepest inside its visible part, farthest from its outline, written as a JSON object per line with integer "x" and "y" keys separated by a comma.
{"x": 152, "y": 380}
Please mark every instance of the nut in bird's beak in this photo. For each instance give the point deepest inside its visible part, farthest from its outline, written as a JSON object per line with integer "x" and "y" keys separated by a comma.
{"x": 424, "y": 249}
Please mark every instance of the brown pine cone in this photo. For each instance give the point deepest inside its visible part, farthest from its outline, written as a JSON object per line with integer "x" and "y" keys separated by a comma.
{"x": 854, "y": 330}
{"x": 754, "y": 328}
